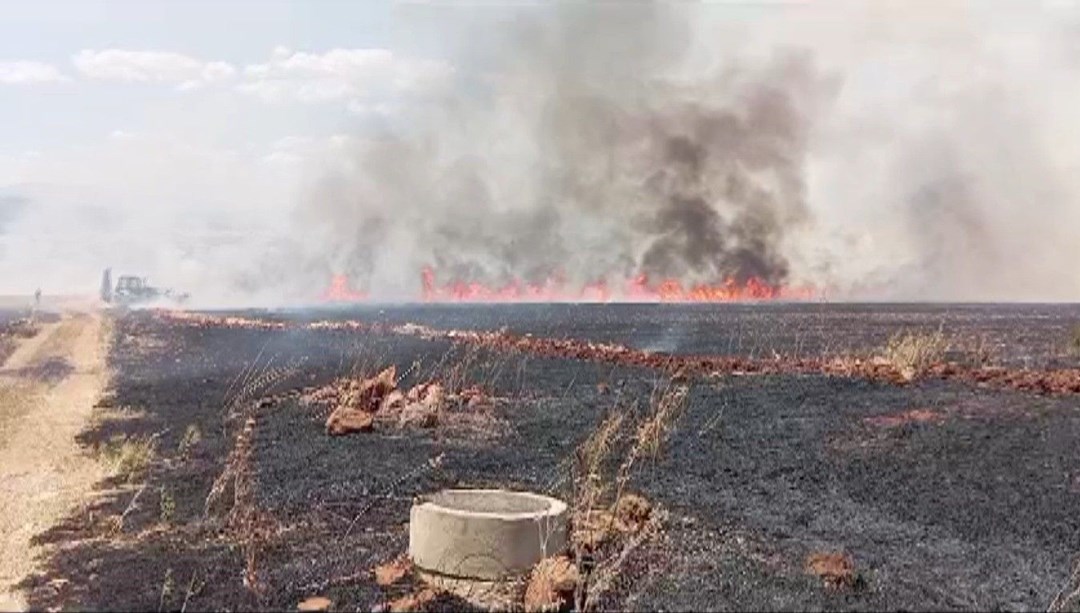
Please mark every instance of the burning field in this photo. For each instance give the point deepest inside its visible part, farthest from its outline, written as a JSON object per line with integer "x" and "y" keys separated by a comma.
{"x": 614, "y": 253}
{"x": 784, "y": 457}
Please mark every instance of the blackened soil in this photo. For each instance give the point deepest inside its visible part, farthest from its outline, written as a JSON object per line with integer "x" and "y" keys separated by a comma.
{"x": 1026, "y": 335}
{"x": 971, "y": 505}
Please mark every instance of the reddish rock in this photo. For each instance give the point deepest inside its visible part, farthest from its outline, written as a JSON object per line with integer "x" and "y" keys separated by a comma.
{"x": 417, "y": 601}
{"x": 423, "y": 411}
{"x": 393, "y": 571}
{"x": 347, "y": 421}
{"x": 393, "y": 401}
{"x": 551, "y": 585}
{"x": 835, "y": 569}
{"x": 315, "y": 603}
{"x": 368, "y": 395}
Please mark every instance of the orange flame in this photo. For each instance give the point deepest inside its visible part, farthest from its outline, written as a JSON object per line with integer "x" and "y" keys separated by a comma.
{"x": 555, "y": 289}
{"x": 637, "y": 289}
{"x": 339, "y": 291}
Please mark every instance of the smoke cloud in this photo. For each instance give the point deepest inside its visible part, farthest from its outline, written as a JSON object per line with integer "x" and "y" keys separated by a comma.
{"x": 882, "y": 151}
{"x": 589, "y": 152}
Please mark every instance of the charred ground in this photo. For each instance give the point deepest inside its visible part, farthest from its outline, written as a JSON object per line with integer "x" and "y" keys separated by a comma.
{"x": 943, "y": 494}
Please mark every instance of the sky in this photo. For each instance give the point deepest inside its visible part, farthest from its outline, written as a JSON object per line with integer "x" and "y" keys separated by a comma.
{"x": 188, "y": 140}
{"x": 146, "y": 117}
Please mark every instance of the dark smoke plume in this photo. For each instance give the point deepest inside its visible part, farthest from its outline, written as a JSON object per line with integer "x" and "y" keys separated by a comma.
{"x": 587, "y": 152}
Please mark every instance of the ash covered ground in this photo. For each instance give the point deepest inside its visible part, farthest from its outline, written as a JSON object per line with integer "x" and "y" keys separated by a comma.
{"x": 1026, "y": 335}
{"x": 943, "y": 494}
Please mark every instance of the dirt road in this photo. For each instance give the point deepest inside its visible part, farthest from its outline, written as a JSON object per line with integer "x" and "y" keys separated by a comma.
{"x": 48, "y": 388}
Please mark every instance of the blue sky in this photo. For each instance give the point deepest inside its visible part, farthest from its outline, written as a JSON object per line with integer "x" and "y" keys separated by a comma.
{"x": 238, "y": 32}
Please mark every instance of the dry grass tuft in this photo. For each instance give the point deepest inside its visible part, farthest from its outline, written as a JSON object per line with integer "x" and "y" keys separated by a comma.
{"x": 551, "y": 585}
{"x": 1074, "y": 340}
{"x": 590, "y": 482}
{"x": 912, "y": 353}
{"x": 653, "y": 431}
{"x": 607, "y": 523}
{"x": 166, "y": 505}
{"x": 190, "y": 441}
{"x": 129, "y": 458}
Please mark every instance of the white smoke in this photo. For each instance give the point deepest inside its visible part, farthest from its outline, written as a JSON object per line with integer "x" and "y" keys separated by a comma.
{"x": 899, "y": 151}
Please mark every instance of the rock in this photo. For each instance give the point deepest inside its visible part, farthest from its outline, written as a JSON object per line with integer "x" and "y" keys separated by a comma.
{"x": 474, "y": 399}
{"x": 416, "y": 392}
{"x": 369, "y": 393}
{"x": 393, "y": 571}
{"x": 411, "y": 602}
{"x": 418, "y": 415}
{"x": 434, "y": 397}
{"x": 315, "y": 603}
{"x": 836, "y": 569}
{"x": 393, "y": 401}
{"x": 423, "y": 412}
{"x": 347, "y": 421}
{"x": 551, "y": 585}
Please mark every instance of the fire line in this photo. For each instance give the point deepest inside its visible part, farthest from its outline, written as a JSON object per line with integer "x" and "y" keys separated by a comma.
{"x": 554, "y": 289}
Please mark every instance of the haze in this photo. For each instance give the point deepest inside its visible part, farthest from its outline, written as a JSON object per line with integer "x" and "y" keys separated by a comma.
{"x": 246, "y": 152}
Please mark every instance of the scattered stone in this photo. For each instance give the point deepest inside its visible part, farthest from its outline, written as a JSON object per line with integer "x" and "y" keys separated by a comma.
{"x": 473, "y": 398}
{"x": 434, "y": 396}
{"x": 551, "y": 585}
{"x": 368, "y": 395}
{"x": 416, "y": 392}
{"x": 393, "y": 401}
{"x": 418, "y": 415}
{"x": 425, "y": 402}
{"x": 835, "y": 569}
{"x": 393, "y": 571}
{"x": 416, "y": 601}
{"x": 315, "y": 603}
{"x": 347, "y": 421}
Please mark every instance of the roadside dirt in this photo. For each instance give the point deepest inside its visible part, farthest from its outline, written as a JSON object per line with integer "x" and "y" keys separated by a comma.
{"x": 43, "y": 472}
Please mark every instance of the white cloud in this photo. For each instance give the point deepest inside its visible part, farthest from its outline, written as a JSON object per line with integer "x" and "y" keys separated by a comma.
{"x": 341, "y": 75}
{"x": 25, "y": 72}
{"x": 150, "y": 67}
{"x": 187, "y": 213}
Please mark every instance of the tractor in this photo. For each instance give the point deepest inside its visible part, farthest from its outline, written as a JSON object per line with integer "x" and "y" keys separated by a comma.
{"x": 131, "y": 290}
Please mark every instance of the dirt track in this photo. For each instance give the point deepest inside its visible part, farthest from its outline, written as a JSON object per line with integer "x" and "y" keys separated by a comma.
{"x": 48, "y": 388}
